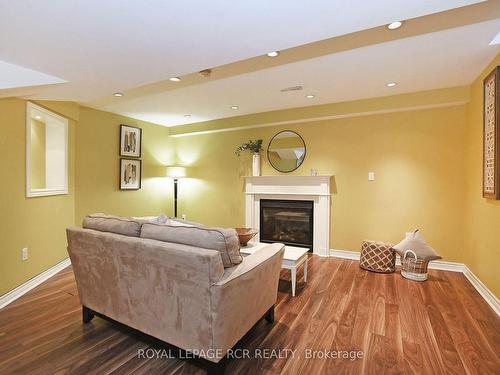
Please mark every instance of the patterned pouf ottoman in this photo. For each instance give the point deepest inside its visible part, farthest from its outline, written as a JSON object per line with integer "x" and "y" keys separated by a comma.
{"x": 377, "y": 257}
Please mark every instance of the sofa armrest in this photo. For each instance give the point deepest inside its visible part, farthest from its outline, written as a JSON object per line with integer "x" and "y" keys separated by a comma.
{"x": 252, "y": 261}
{"x": 243, "y": 295}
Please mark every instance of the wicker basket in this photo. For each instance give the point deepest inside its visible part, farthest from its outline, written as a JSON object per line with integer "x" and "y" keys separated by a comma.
{"x": 413, "y": 268}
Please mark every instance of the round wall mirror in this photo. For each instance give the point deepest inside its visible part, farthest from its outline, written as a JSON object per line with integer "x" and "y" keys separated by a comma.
{"x": 286, "y": 151}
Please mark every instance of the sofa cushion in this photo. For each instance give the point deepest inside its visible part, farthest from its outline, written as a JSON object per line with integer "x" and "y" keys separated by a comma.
{"x": 223, "y": 240}
{"x": 113, "y": 224}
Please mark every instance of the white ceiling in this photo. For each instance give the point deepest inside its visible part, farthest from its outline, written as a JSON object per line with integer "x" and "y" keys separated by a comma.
{"x": 444, "y": 59}
{"x": 14, "y": 76}
{"x": 100, "y": 47}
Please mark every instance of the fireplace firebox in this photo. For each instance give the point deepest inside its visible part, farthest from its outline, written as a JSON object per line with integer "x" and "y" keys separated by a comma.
{"x": 287, "y": 221}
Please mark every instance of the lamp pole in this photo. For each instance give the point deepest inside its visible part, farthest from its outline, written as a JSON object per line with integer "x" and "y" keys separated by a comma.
{"x": 175, "y": 196}
{"x": 175, "y": 173}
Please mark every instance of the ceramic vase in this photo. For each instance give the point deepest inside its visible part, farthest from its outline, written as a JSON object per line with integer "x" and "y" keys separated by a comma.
{"x": 256, "y": 164}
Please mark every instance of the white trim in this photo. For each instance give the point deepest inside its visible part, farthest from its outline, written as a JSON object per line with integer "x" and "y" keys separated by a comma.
{"x": 487, "y": 294}
{"x": 446, "y": 266}
{"x": 434, "y": 265}
{"x": 312, "y": 188}
{"x": 32, "y": 283}
{"x": 345, "y": 254}
{"x": 287, "y": 193}
{"x": 321, "y": 118}
{"x": 31, "y": 193}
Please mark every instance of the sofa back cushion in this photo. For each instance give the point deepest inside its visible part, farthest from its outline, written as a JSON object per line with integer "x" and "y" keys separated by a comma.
{"x": 113, "y": 224}
{"x": 225, "y": 241}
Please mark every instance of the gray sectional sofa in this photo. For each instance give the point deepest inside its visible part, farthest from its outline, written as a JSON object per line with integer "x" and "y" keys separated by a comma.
{"x": 187, "y": 286}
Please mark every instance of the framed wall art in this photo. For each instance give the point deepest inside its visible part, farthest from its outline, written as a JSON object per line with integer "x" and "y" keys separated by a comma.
{"x": 130, "y": 141}
{"x": 130, "y": 174}
{"x": 491, "y": 135}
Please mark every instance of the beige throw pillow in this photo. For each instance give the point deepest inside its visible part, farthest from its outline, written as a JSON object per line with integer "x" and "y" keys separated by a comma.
{"x": 415, "y": 242}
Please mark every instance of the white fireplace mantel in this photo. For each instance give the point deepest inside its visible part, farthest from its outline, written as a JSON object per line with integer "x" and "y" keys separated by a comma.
{"x": 313, "y": 188}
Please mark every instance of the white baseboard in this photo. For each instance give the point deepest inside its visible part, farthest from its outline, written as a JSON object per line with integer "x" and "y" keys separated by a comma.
{"x": 487, "y": 294}
{"x": 24, "y": 288}
{"x": 345, "y": 254}
{"x": 446, "y": 266}
{"x": 434, "y": 265}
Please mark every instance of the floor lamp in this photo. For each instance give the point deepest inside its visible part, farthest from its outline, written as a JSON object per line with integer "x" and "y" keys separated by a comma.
{"x": 176, "y": 173}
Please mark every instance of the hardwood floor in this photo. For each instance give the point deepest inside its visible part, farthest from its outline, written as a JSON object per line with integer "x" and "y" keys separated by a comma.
{"x": 441, "y": 326}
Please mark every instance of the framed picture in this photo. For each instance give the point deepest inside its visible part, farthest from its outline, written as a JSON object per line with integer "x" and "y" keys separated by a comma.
{"x": 130, "y": 141}
{"x": 491, "y": 135}
{"x": 130, "y": 174}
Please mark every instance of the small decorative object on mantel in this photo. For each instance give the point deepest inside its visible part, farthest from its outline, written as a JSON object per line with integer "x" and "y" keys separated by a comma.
{"x": 245, "y": 235}
{"x": 415, "y": 256}
{"x": 491, "y": 135}
{"x": 130, "y": 141}
{"x": 255, "y": 147}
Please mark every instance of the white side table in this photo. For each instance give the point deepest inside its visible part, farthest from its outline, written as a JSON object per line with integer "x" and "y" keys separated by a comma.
{"x": 292, "y": 259}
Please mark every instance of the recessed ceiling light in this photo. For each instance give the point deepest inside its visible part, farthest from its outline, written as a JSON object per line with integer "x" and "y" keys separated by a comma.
{"x": 187, "y": 116}
{"x": 118, "y": 94}
{"x": 394, "y": 25}
{"x": 38, "y": 117}
{"x": 310, "y": 96}
{"x": 175, "y": 79}
{"x": 273, "y": 53}
{"x": 235, "y": 107}
{"x": 391, "y": 84}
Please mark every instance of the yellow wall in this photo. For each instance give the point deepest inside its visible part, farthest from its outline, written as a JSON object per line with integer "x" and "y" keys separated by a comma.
{"x": 38, "y": 155}
{"x": 482, "y": 216}
{"x": 98, "y": 161}
{"x": 36, "y": 223}
{"x": 416, "y": 156}
{"x": 40, "y": 223}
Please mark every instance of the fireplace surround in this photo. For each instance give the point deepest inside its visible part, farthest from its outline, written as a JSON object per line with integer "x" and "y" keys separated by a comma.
{"x": 314, "y": 189}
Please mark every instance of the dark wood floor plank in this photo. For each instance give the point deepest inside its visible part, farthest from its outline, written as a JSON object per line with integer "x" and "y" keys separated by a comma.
{"x": 447, "y": 349}
{"x": 413, "y": 359}
{"x": 401, "y": 326}
{"x": 376, "y": 355}
{"x": 410, "y": 329}
{"x": 469, "y": 317}
{"x": 394, "y": 338}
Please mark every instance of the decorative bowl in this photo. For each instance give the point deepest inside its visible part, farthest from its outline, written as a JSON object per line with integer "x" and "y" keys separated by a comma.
{"x": 245, "y": 235}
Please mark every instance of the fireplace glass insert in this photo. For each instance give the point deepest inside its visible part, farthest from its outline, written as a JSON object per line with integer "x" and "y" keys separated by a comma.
{"x": 287, "y": 221}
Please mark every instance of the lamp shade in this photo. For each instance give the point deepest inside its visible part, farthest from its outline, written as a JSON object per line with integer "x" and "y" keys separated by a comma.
{"x": 176, "y": 172}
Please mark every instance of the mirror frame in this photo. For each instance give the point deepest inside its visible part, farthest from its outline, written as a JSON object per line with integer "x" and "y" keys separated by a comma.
{"x": 271, "y": 141}
{"x": 44, "y": 192}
